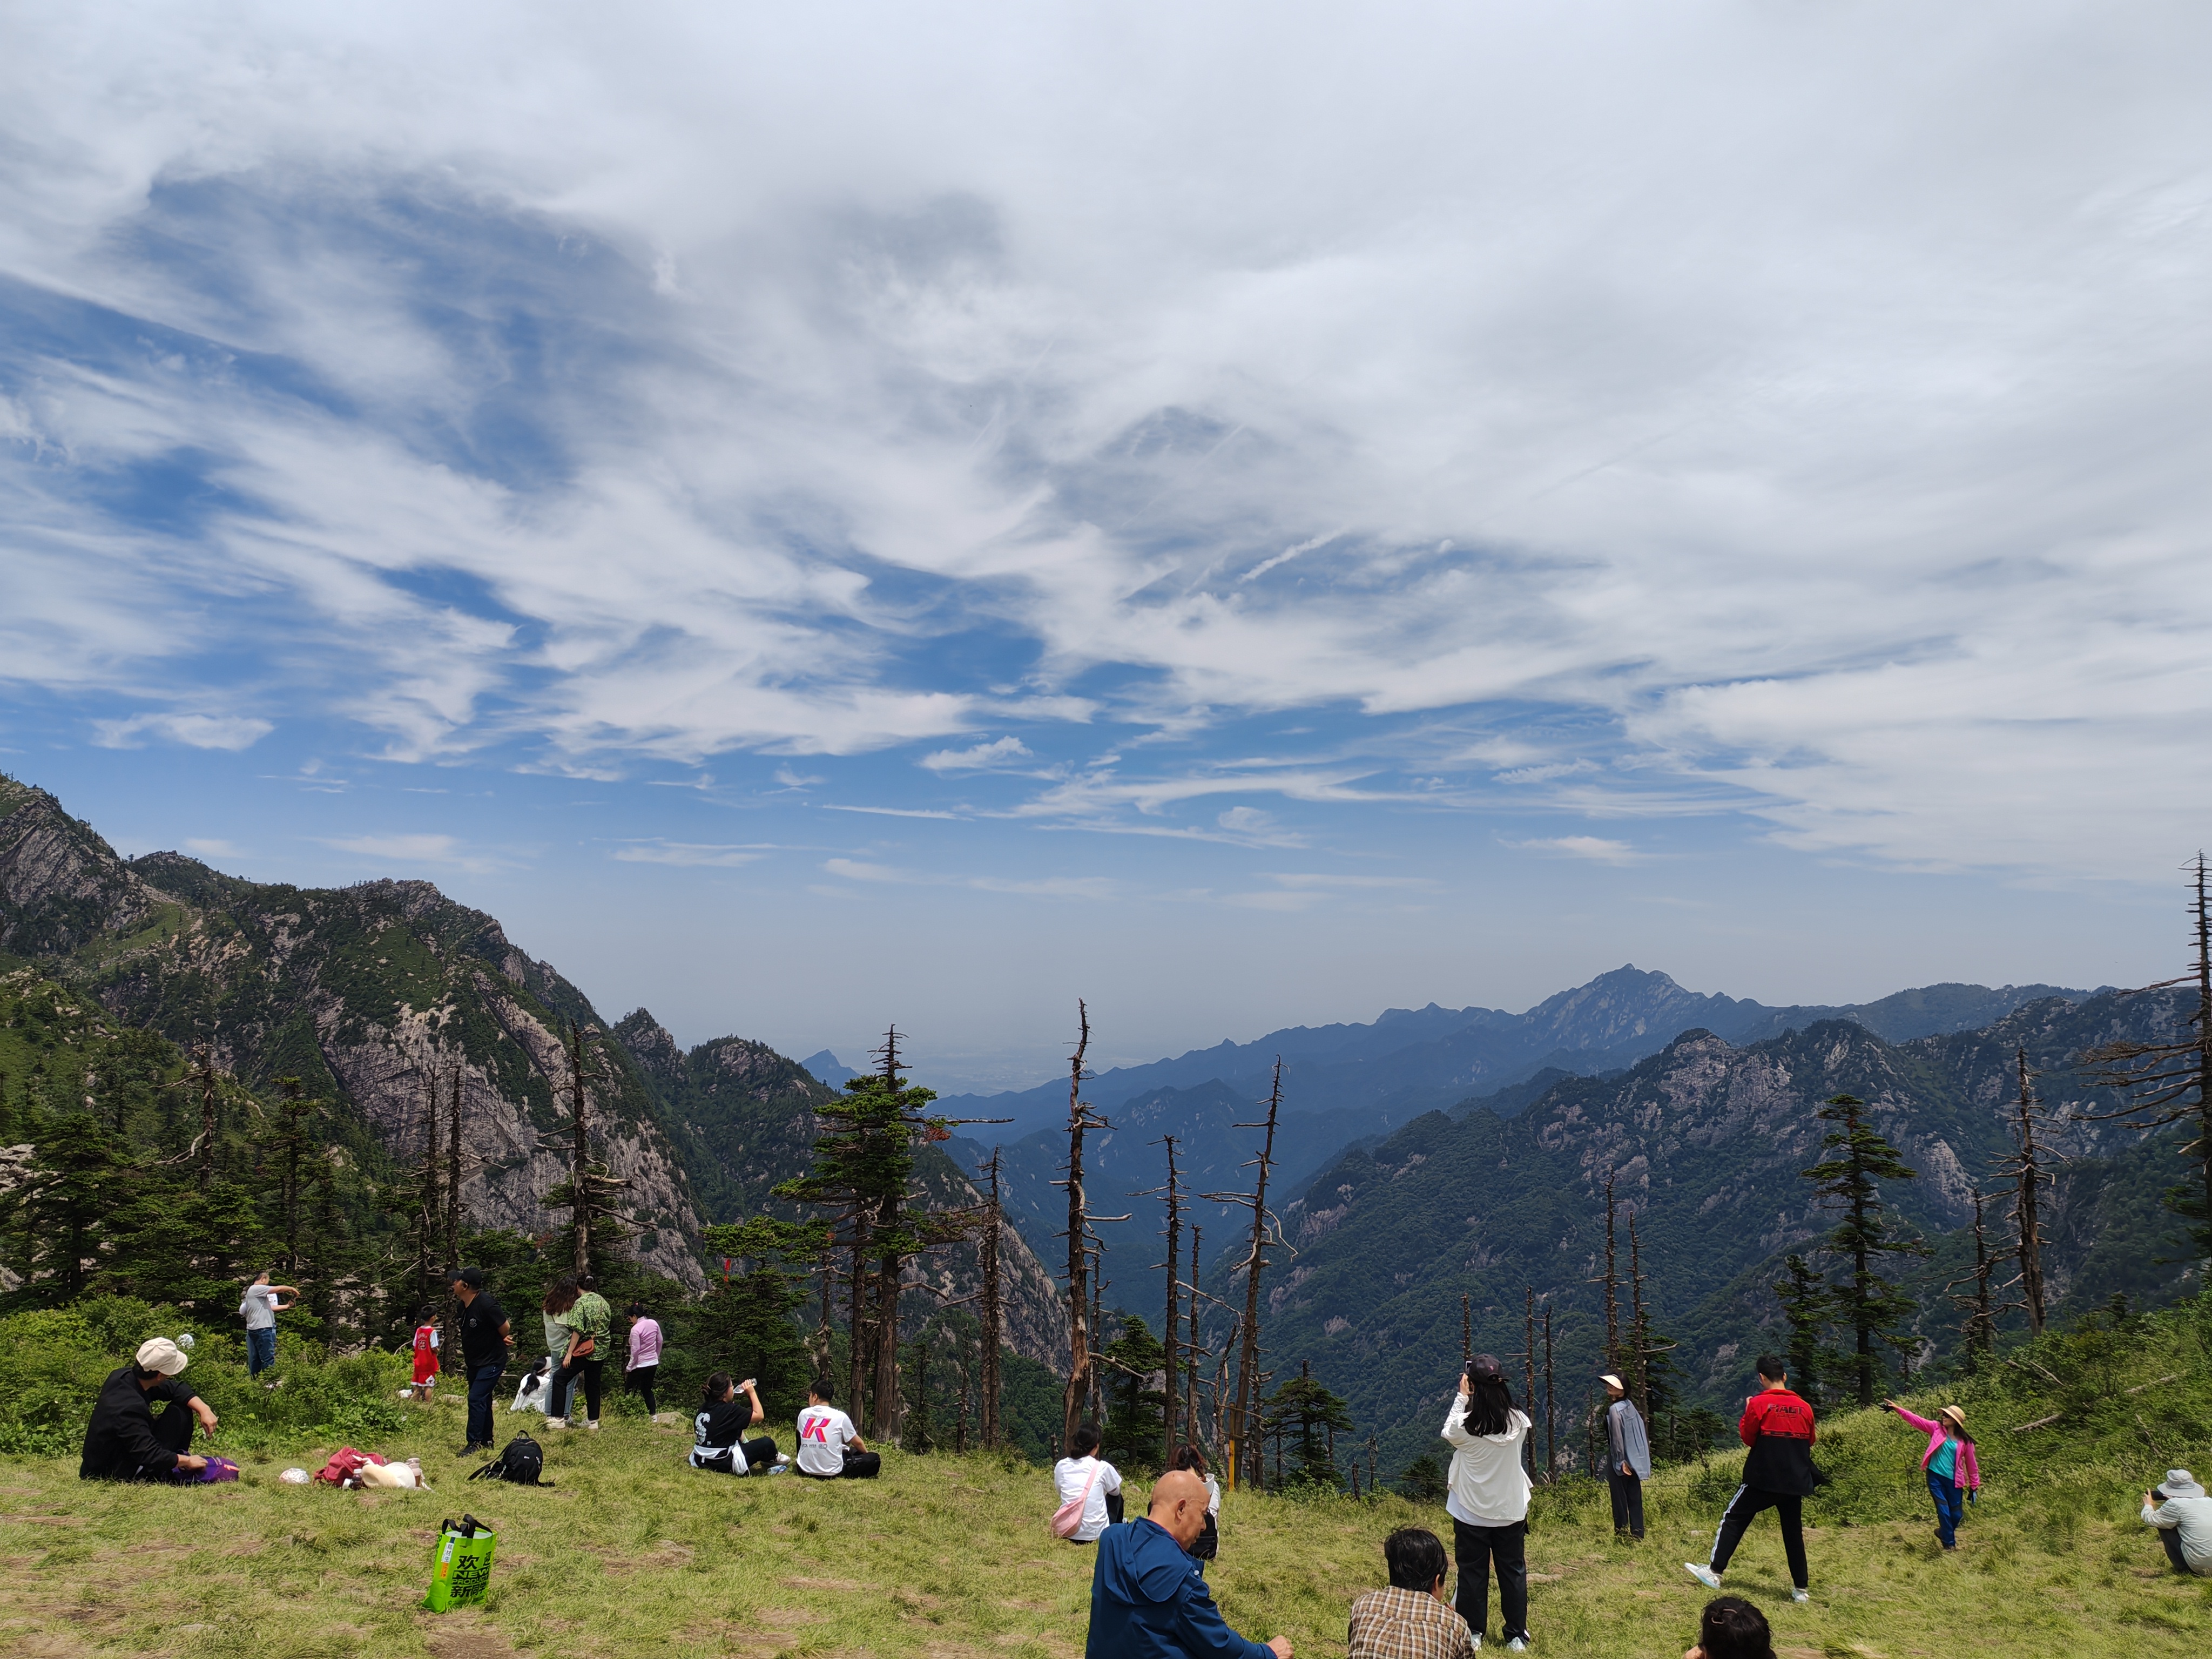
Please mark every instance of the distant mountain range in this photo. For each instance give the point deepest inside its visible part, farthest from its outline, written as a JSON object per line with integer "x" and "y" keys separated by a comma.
{"x": 1344, "y": 1082}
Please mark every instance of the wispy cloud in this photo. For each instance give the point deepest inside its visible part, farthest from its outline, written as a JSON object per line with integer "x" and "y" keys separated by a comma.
{"x": 232, "y": 732}
{"x": 1596, "y": 848}
{"x": 1005, "y": 751}
{"x": 687, "y": 854}
{"x": 414, "y": 851}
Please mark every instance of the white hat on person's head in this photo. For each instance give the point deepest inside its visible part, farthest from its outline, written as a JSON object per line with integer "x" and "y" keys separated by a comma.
{"x": 1612, "y": 1381}
{"x": 2179, "y": 1483}
{"x": 160, "y": 1354}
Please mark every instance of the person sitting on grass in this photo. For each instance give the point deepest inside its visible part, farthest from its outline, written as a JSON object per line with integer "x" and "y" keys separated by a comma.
{"x": 1147, "y": 1598}
{"x": 829, "y": 1449}
{"x": 2182, "y": 1514}
{"x": 1411, "y": 1620}
{"x": 1949, "y": 1463}
{"x": 721, "y": 1423}
{"x": 126, "y": 1441}
{"x": 1732, "y": 1629}
{"x": 1208, "y": 1545}
{"x": 1084, "y": 1474}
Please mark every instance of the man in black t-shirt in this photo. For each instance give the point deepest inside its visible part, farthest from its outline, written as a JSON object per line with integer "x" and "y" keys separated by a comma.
{"x": 124, "y": 1440}
{"x": 484, "y": 1352}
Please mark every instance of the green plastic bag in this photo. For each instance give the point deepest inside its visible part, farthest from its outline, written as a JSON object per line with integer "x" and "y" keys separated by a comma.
{"x": 460, "y": 1570}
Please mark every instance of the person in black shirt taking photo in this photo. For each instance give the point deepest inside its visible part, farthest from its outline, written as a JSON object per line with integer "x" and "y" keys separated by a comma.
{"x": 484, "y": 1352}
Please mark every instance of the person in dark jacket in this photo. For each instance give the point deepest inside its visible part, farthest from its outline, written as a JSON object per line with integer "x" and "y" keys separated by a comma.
{"x": 1147, "y": 1599}
{"x": 1778, "y": 1475}
{"x": 124, "y": 1440}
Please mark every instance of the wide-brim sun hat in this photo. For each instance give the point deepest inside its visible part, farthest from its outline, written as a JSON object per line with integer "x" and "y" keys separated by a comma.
{"x": 1954, "y": 1414}
{"x": 1612, "y": 1381}
{"x": 2179, "y": 1483}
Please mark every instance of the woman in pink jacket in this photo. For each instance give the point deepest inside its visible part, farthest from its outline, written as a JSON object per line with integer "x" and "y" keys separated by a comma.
{"x": 1948, "y": 1462}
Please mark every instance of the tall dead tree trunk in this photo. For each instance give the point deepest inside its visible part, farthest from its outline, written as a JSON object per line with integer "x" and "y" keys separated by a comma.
{"x": 2025, "y": 1166}
{"x": 1175, "y": 1306}
{"x": 450, "y": 1338}
{"x": 994, "y": 1312}
{"x": 206, "y": 1175}
{"x": 1080, "y": 1120}
{"x": 1190, "y": 1357}
{"x": 427, "y": 1226}
{"x": 857, "y": 1353}
{"x": 1551, "y": 1409}
{"x": 1980, "y": 1332}
{"x": 1243, "y": 1457}
{"x": 1613, "y": 1361}
{"x": 580, "y": 1174}
{"x": 1529, "y": 1368}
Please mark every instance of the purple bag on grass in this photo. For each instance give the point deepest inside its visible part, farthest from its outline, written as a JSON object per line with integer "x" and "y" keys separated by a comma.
{"x": 219, "y": 1468}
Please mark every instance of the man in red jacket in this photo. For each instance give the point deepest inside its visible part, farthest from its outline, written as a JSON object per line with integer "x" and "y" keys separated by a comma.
{"x": 1777, "y": 1426}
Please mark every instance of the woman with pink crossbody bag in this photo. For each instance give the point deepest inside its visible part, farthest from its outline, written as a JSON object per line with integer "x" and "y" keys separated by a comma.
{"x": 1077, "y": 1519}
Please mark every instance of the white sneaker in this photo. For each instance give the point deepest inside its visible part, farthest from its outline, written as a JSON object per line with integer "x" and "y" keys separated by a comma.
{"x": 1801, "y": 1596}
{"x": 556, "y": 1422}
{"x": 1518, "y": 1645}
{"x": 593, "y": 1426}
{"x": 1704, "y": 1575}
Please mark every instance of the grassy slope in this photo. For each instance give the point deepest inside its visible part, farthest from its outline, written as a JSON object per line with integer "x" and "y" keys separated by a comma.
{"x": 635, "y": 1554}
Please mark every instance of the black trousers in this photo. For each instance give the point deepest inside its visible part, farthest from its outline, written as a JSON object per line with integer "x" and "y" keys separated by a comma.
{"x": 172, "y": 1431}
{"x": 1627, "y": 1502}
{"x": 1788, "y": 1508}
{"x": 858, "y": 1466}
{"x": 2169, "y": 1536}
{"x": 1474, "y": 1549}
{"x": 638, "y": 1379}
{"x": 564, "y": 1384}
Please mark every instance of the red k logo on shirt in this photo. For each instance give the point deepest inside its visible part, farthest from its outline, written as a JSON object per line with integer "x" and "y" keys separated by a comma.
{"x": 815, "y": 1429}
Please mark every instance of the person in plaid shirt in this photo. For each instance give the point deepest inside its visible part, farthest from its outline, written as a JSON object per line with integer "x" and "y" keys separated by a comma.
{"x": 1411, "y": 1620}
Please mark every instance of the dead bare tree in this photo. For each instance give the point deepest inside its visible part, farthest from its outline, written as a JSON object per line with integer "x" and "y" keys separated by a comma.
{"x": 2024, "y": 1168}
{"x": 1550, "y": 1411}
{"x": 1169, "y": 1341}
{"x": 450, "y": 1338}
{"x": 1080, "y": 1120}
{"x": 1529, "y": 1368}
{"x": 1612, "y": 1282}
{"x": 1979, "y": 1330}
{"x": 432, "y": 1195}
{"x": 1255, "y": 1263}
{"x": 205, "y": 1175}
{"x": 994, "y": 1309}
{"x": 1191, "y": 1350}
{"x": 590, "y": 1189}
{"x": 2163, "y": 1084}
{"x": 1642, "y": 1350}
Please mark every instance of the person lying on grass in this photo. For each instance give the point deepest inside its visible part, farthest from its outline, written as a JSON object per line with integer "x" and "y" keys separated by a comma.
{"x": 1147, "y": 1598}
{"x": 1411, "y": 1620}
{"x": 1732, "y": 1629}
{"x": 124, "y": 1440}
{"x": 720, "y": 1423}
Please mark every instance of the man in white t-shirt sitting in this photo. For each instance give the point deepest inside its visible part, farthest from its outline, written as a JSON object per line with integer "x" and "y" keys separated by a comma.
{"x": 829, "y": 1446}
{"x": 1087, "y": 1476}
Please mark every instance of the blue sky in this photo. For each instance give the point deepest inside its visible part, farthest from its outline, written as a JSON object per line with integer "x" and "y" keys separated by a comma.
{"x": 1249, "y": 517}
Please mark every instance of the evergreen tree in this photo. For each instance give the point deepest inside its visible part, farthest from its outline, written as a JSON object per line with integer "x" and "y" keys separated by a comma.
{"x": 1873, "y": 1307}
{"x": 68, "y": 1211}
{"x": 1808, "y": 1308}
{"x": 1135, "y": 1364}
{"x": 1306, "y": 1408}
{"x": 1423, "y": 1480}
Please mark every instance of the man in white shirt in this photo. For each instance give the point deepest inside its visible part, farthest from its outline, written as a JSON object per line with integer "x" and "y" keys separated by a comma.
{"x": 2182, "y": 1513}
{"x": 829, "y": 1446}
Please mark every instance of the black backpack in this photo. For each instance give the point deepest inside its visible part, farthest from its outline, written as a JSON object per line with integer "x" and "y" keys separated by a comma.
{"x": 520, "y": 1463}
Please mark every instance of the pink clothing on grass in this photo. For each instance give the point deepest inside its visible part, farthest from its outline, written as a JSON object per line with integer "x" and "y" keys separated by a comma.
{"x": 1965, "y": 1474}
{"x": 644, "y": 1344}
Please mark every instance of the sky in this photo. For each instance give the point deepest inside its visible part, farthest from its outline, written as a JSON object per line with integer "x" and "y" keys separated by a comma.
{"x": 1247, "y": 515}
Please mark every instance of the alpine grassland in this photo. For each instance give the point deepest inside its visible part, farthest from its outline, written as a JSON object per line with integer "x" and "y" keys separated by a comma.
{"x": 630, "y": 1552}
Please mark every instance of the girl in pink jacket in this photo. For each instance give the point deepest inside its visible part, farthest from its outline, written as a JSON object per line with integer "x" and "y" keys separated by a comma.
{"x": 1948, "y": 1462}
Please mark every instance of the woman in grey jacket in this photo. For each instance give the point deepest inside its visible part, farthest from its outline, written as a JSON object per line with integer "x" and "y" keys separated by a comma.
{"x": 1629, "y": 1465}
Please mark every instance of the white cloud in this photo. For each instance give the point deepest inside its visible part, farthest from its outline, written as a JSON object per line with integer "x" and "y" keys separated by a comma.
{"x": 211, "y": 848}
{"x": 1596, "y": 848}
{"x": 232, "y": 732}
{"x": 410, "y": 852}
{"x": 1596, "y": 359}
{"x": 687, "y": 854}
{"x": 983, "y": 757}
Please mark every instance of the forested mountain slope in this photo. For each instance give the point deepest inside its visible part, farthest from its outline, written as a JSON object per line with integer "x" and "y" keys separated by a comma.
{"x": 374, "y": 993}
{"x": 1704, "y": 1142}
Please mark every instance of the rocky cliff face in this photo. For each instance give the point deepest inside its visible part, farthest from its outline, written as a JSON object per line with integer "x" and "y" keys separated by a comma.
{"x": 373, "y": 995}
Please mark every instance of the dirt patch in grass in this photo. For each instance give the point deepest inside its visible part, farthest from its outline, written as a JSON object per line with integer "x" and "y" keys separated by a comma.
{"x": 843, "y": 1585}
{"x": 470, "y": 1641}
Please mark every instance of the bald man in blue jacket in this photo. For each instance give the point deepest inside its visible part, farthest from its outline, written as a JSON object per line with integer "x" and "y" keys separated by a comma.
{"x": 1148, "y": 1599}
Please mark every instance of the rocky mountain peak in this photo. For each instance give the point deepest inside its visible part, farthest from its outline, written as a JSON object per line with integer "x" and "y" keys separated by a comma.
{"x": 61, "y": 885}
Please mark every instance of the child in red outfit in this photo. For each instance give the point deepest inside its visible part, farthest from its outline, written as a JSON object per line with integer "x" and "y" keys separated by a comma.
{"x": 425, "y": 1355}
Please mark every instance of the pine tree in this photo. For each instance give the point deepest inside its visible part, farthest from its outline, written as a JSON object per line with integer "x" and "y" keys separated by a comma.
{"x": 1873, "y": 1306}
{"x": 1808, "y": 1308}
{"x": 1135, "y": 1406}
{"x": 1310, "y": 1410}
{"x": 69, "y": 1210}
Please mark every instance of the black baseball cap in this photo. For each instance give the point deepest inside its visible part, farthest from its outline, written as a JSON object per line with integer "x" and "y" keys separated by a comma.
{"x": 472, "y": 1276}
{"x": 1484, "y": 1364}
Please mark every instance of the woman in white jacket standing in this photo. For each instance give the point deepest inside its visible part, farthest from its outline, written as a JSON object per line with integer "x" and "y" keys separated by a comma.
{"x": 1489, "y": 1501}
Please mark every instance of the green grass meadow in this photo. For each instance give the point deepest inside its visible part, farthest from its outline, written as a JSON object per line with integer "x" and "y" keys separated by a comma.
{"x": 633, "y": 1553}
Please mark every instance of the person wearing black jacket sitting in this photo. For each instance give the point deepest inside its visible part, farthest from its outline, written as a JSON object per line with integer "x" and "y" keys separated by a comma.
{"x": 124, "y": 1440}
{"x": 718, "y": 1442}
